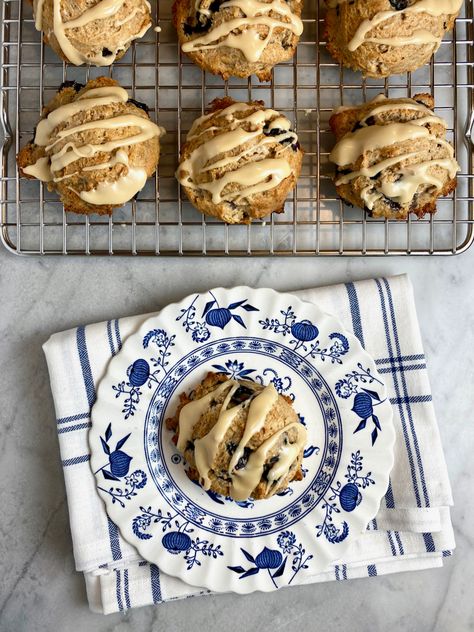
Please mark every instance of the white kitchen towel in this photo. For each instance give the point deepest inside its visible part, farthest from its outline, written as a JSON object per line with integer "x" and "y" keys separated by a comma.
{"x": 412, "y": 530}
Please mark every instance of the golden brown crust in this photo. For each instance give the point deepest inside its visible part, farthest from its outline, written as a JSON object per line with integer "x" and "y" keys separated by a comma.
{"x": 230, "y": 62}
{"x": 208, "y": 384}
{"x": 257, "y": 205}
{"x": 380, "y": 59}
{"x": 144, "y": 154}
{"x": 346, "y": 120}
{"x": 100, "y": 38}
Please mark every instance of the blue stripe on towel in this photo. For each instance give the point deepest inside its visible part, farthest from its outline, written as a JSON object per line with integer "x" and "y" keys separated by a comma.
{"x": 399, "y": 542}
{"x": 405, "y": 393}
{"x": 76, "y": 460}
{"x": 109, "y": 337}
{"x": 398, "y": 394}
{"x": 412, "y": 399}
{"x": 372, "y": 570}
{"x": 118, "y": 590}
{"x": 429, "y": 542}
{"x": 355, "y": 312}
{"x": 389, "y": 500}
{"x": 114, "y": 540}
{"x": 403, "y": 368}
{"x": 66, "y": 420}
{"x": 85, "y": 365}
{"x": 336, "y": 572}
{"x": 117, "y": 334}
{"x": 344, "y": 571}
{"x": 408, "y": 358}
{"x": 76, "y": 427}
{"x": 155, "y": 583}
{"x": 392, "y": 544}
{"x": 126, "y": 589}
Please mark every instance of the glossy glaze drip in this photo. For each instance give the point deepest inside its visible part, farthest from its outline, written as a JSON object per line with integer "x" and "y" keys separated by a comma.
{"x": 115, "y": 191}
{"x": 243, "y": 480}
{"x": 102, "y": 10}
{"x": 246, "y": 479}
{"x": 434, "y": 8}
{"x": 408, "y": 177}
{"x": 242, "y": 33}
{"x": 251, "y": 177}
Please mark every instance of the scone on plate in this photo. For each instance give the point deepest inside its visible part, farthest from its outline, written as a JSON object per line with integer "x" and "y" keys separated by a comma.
{"x": 239, "y": 438}
{"x": 240, "y": 161}
{"x": 238, "y": 38}
{"x": 392, "y": 157}
{"x": 387, "y": 37}
{"x": 94, "y": 145}
{"x": 95, "y": 32}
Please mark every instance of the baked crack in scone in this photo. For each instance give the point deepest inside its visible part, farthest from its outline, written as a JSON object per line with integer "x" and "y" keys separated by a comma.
{"x": 392, "y": 156}
{"x": 94, "y": 145}
{"x": 240, "y": 161}
{"x": 240, "y": 439}
{"x": 95, "y": 32}
{"x": 387, "y": 37}
{"x": 238, "y": 38}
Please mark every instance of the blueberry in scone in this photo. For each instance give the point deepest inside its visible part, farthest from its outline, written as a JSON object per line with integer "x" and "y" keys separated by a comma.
{"x": 238, "y": 37}
{"x": 95, "y": 32}
{"x": 240, "y": 161}
{"x": 240, "y": 439}
{"x": 94, "y": 145}
{"x": 392, "y": 157}
{"x": 387, "y": 37}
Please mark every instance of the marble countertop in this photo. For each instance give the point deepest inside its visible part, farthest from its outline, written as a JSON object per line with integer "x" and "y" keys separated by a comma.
{"x": 39, "y": 588}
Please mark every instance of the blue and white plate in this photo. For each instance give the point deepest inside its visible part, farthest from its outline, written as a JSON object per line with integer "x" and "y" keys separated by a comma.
{"x": 206, "y": 539}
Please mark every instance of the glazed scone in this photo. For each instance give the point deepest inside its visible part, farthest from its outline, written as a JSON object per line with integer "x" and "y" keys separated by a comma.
{"x": 94, "y": 145}
{"x": 392, "y": 157}
{"x": 95, "y": 32}
{"x": 238, "y": 38}
{"x": 240, "y": 161}
{"x": 387, "y": 37}
{"x": 239, "y": 438}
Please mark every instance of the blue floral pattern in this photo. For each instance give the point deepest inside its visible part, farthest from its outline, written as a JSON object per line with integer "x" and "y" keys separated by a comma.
{"x": 275, "y": 562}
{"x": 139, "y": 373}
{"x": 309, "y": 358}
{"x": 364, "y": 399}
{"x": 213, "y": 315}
{"x": 344, "y": 497}
{"x": 176, "y": 539}
{"x": 303, "y": 332}
{"x": 117, "y": 468}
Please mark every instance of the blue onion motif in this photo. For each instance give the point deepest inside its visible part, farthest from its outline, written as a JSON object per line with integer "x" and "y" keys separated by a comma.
{"x": 138, "y": 372}
{"x": 268, "y": 558}
{"x": 304, "y": 331}
{"x": 176, "y": 542}
{"x": 218, "y": 317}
{"x": 275, "y": 562}
{"x": 350, "y": 497}
{"x": 119, "y": 463}
{"x": 214, "y": 315}
{"x": 363, "y": 405}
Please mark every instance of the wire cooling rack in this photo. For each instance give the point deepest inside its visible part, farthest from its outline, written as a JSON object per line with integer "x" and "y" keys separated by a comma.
{"x": 161, "y": 221}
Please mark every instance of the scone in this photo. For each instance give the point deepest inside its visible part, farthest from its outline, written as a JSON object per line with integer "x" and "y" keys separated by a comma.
{"x": 392, "y": 156}
{"x": 240, "y": 161}
{"x": 238, "y": 38}
{"x": 94, "y": 145}
{"x": 387, "y": 37}
{"x": 95, "y": 32}
{"x": 240, "y": 439}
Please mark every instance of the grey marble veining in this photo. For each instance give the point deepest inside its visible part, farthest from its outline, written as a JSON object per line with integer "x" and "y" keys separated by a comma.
{"x": 39, "y": 588}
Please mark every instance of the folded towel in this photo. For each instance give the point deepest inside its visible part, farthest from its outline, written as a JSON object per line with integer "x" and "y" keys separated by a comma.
{"x": 412, "y": 530}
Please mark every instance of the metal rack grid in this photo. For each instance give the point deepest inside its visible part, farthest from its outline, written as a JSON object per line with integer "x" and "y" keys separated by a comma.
{"x": 160, "y": 221}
